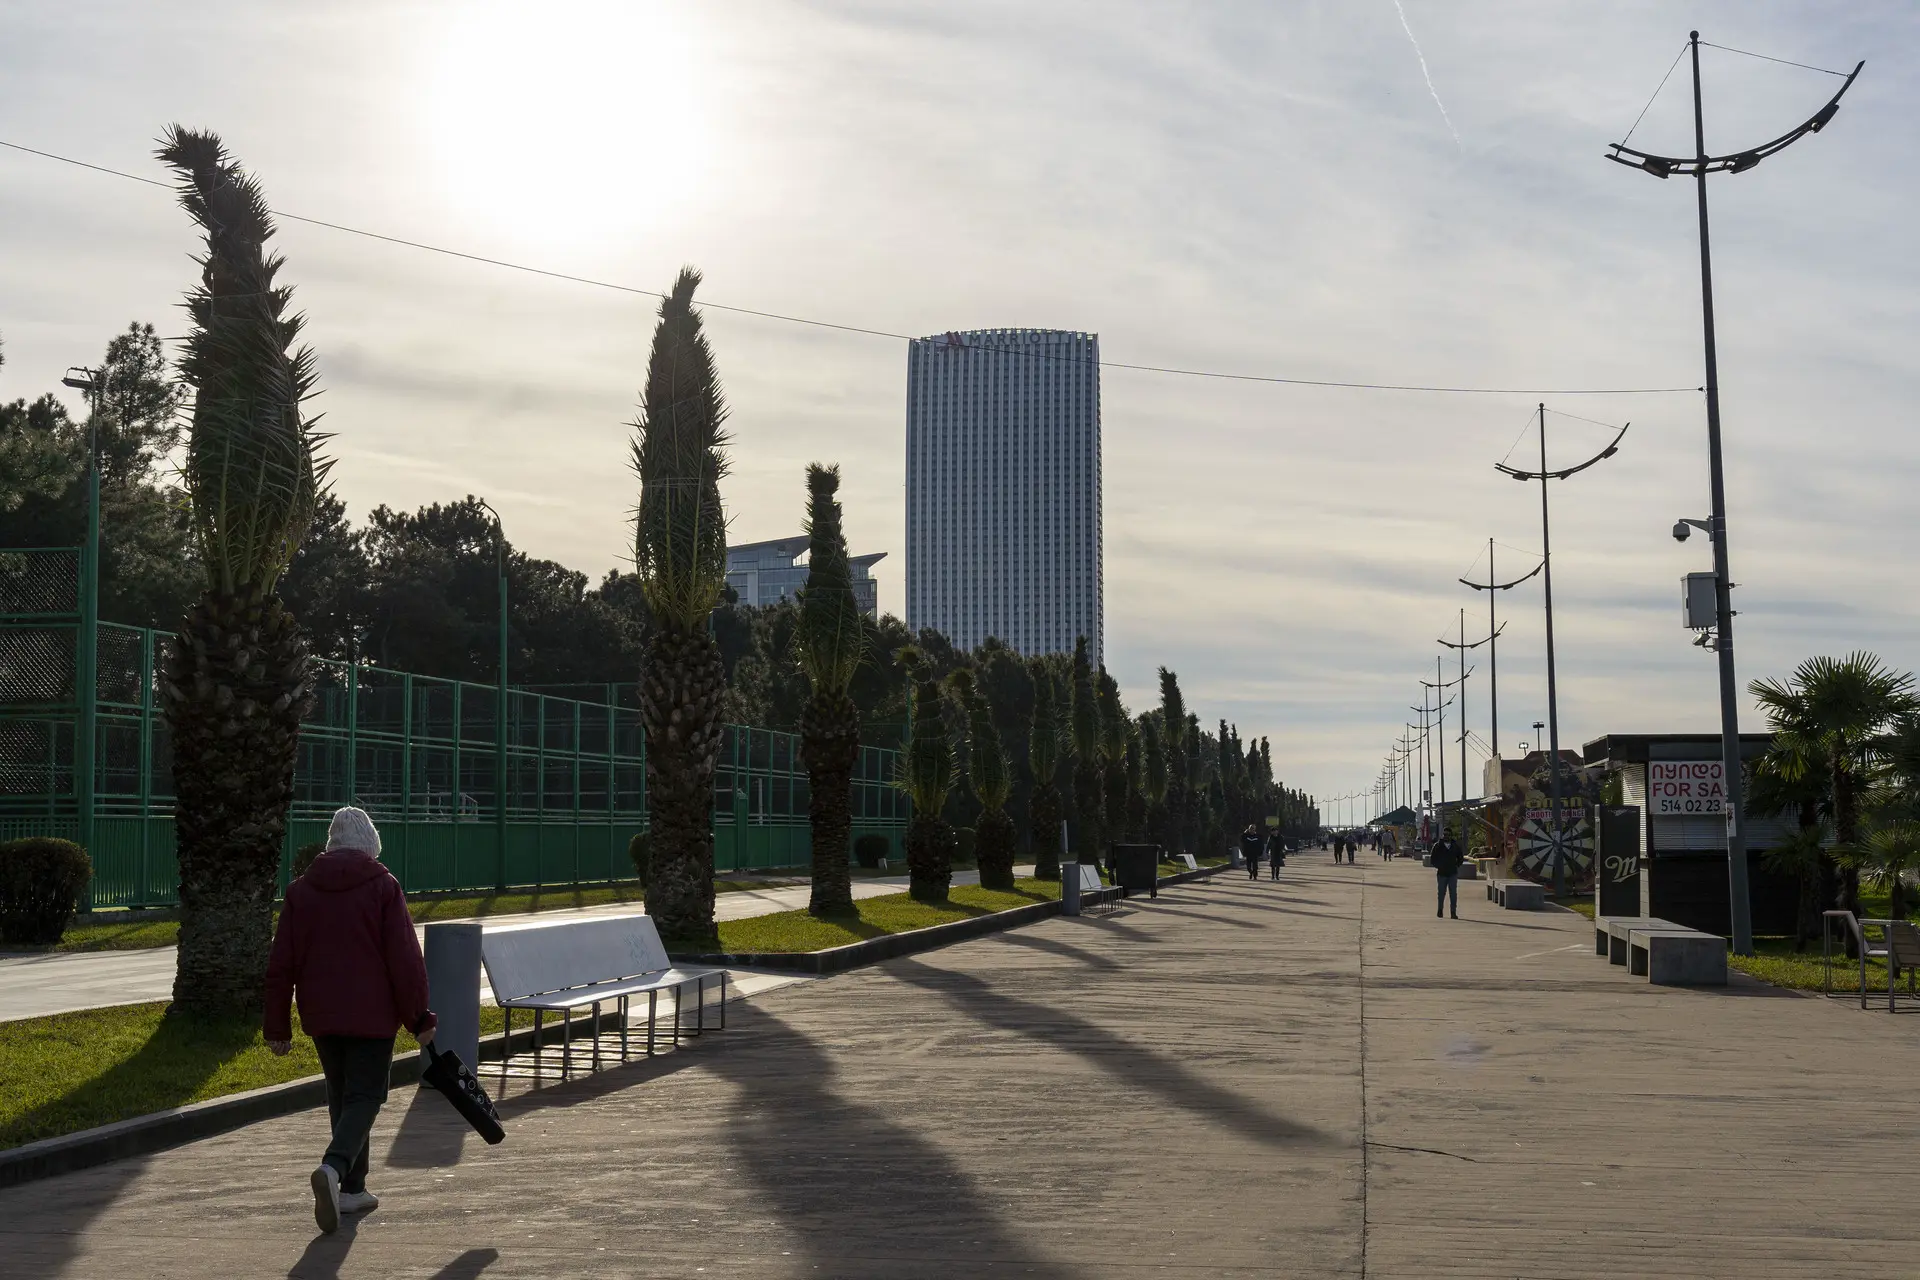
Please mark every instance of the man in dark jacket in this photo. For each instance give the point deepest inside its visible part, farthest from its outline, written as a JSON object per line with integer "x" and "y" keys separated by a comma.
{"x": 345, "y": 947}
{"x": 1250, "y": 846}
{"x": 1445, "y": 857}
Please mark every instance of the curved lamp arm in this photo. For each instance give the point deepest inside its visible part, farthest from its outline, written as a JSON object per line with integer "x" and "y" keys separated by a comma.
{"x": 1739, "y": 162}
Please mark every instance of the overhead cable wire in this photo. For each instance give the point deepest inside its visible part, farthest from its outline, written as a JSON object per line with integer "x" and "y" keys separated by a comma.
{"x": 1171, "y": 370}
{"x": 1656, "y": 93}
{"x": 1785, "y": 62}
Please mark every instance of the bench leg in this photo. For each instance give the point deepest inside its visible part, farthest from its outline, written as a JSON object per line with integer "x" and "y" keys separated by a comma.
{"x": 653, "y": 1010}
{"x": 538, "y": 1017}
{"x": 676, "y": 1016}
{"x": 623, "y": 1028}
{"x": 506, "y": 1047}
{"x": 566, "y": 1044}
{"x": 596, "y": 1035}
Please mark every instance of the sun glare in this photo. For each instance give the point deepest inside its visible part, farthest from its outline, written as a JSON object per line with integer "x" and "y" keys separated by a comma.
{"x": 561, "y": 122}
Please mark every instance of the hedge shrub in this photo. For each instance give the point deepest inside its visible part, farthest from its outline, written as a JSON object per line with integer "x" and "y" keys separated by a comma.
{"x": 41, "y": 880}
{"x": 868, "y": 851}
{"x": 303, "y": 856}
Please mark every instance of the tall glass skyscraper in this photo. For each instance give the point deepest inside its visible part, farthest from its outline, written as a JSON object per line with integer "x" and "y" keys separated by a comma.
{"x": 1003, "y": 488}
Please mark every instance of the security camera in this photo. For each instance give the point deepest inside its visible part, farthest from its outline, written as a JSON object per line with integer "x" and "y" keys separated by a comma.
{"x": 1682, "y": 531}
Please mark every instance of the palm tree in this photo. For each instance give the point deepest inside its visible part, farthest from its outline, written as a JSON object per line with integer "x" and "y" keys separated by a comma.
{"x": 1780, "y": 785}
{"x": 1084, "y": 725}
{"x": 680, "y": 555}
{"x": 1889, "y": 853}
{"x": 991, "y": 782}
{"x": 1195, "y": 807}
{"x": 1837, "y": 710}
{"x": 830, "y": 641}
{"x": 1136, "y": 789}
{"x": 238, "y": 675}
{"x": 1173, "y": 728}
{"x": 1113, "y": 753}
{"x": 1154, "y": 777}
{"x": 926, "y": 775}
{"x": 1043, "y": 758}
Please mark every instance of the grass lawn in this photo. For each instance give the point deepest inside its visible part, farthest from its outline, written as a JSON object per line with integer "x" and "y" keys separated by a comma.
{"x": 164, "y": 931}
{"x": 73, "y": 1071}
{"x": 1584, "y": 904}
{"x": 1774, "y": 961}
{"x": 873, "y": 917}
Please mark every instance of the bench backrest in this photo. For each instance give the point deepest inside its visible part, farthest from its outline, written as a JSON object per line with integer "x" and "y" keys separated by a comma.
{"x": 1903, "y": 944}
{"x": 1090, "y": 878}
{"x": 1193, "y": 863}
{"x": 532, "y": 959}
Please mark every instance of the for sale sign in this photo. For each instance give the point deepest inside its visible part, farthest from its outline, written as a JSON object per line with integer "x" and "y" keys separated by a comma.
{"x": 1679, "y": 788}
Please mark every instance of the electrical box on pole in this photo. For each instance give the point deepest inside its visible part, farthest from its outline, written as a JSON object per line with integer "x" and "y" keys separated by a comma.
{"x": 1699, "y": 606}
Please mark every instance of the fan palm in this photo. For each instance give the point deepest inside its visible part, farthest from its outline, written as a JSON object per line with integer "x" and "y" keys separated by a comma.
{"x": 991, "y": 783}
{"x": 1836, "y": 710}
{"x": 1783, "y": 783}
{"x": 680, "y": 555}
{"x": 238, "y": 675}
{"x": 1043, "y": 758}
{"x": 926, "y": 775}
{"x": 1173, "y": 728}
{"x": 1887, "y": 856}
{"x": 830, "y": 641}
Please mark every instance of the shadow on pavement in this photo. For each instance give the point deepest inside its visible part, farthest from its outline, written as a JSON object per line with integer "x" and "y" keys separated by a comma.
{"x": 431, "y": 1134}
{"x": 807, "y": 1147}
{"x": 54, "y": 1216}
{"x": 1053, "y": 946}
{"x": 1126, "y": 1061}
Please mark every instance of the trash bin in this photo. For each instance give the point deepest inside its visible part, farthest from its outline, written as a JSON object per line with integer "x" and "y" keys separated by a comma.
{"x": 453, "y": 987}
{"x": 1137, "y": 867}
{"x": 1069, "y": 888}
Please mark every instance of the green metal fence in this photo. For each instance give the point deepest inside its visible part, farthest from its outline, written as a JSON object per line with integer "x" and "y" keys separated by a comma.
{"x": 418, "y": 753}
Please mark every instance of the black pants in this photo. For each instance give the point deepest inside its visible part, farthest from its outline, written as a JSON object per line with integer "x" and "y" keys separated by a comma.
{"x": 1253, "y": 868}
{"x": 358, "y": 1070}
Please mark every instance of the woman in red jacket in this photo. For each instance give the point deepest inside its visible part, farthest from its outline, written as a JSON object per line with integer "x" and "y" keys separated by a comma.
{"x": 345, "y": 948}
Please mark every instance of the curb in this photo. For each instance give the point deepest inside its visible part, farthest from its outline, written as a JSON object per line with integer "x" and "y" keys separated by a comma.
{"x": 145, "y": 1135}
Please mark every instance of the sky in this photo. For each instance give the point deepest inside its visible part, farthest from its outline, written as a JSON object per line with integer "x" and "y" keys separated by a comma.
{"x": 1276, "y": 189}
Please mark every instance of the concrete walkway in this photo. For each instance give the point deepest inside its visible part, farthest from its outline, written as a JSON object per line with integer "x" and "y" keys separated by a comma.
{"x": 32, "y": 986}
{"x": 1309, "y": 1078}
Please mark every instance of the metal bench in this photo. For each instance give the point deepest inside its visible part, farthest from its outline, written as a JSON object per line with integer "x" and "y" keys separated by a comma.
{"x": 1898, "y": 944}
{"x": 1517, "y": 895}
{"x": 1082, "y": 892}
{"x": 1671, "y": 957}
{"x": 1193, "y": 863}
{"x": 582, "y": 964}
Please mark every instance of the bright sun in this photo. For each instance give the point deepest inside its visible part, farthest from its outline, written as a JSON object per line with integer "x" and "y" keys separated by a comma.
{"x": 557, "y": 123}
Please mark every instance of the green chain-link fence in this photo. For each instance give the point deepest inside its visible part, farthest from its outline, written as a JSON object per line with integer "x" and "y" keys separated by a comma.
{"x": 416, "y": 752}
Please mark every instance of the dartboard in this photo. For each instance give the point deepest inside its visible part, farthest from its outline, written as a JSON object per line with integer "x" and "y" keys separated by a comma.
{"x": 1534, "y": 856}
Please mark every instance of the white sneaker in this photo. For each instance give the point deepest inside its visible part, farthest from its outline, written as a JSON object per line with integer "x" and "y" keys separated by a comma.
{"x": 326, "y": 1198}
{"x": 358, "y": 1201}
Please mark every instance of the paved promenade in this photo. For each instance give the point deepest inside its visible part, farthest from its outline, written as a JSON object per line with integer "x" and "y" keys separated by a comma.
{"x": 33, "y": 985}
{"x": 1310, "y": 1078}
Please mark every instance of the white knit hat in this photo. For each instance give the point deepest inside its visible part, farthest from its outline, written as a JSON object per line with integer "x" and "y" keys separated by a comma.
{"x": 351, "y": 828}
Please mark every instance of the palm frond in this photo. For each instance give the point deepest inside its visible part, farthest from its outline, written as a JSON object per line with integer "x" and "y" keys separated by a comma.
{"x": 924, "y": 769}
{"x": 1043, "y": 747}
{"x": 252, "y": 470}
{"x": 987, "y": 773}
{"x": 679, "y": 454}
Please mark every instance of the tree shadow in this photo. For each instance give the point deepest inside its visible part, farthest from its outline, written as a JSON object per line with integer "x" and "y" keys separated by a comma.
{"x": 1053, "y": 946}
{"x": 61, "y": 1210}
{"x": 1208, "y": 916}
{"x": 860, "y": 1194}
{"x": 1126, "y": 1061}
{"x": 181, "y": 1055}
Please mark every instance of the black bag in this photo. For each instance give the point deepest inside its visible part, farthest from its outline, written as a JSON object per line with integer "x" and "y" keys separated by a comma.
{"x": 451, "y": 1076}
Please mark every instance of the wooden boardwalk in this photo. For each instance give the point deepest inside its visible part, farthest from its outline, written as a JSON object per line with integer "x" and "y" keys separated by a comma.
{"x": 1309, "y": 1078}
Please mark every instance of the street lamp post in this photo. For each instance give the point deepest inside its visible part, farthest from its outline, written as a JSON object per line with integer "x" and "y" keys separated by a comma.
{"x": 1553, "y": 692}
{"x": 500, "y": 706}
{"x": 1740, "y": 909}
{"x": 87, "y": 644}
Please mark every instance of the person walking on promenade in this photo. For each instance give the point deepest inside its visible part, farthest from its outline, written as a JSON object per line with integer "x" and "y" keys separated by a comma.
{"x": 1445, "y": 857}
{"x": 1276, "y": 854}
{"x": 345, "y": 948}
{"x": 1250, "y": 844}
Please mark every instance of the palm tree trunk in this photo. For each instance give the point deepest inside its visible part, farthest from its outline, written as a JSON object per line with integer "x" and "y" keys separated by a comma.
{"x": 994, "y": 843}
{"x": 680, "y": 694}
{"x": 1846, "y": 832}
{"x": 929, "y": 857}
{"x": 238, "y": 682}
{"x": 1043, "y": 820}
{"x": 830, "y": 747}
